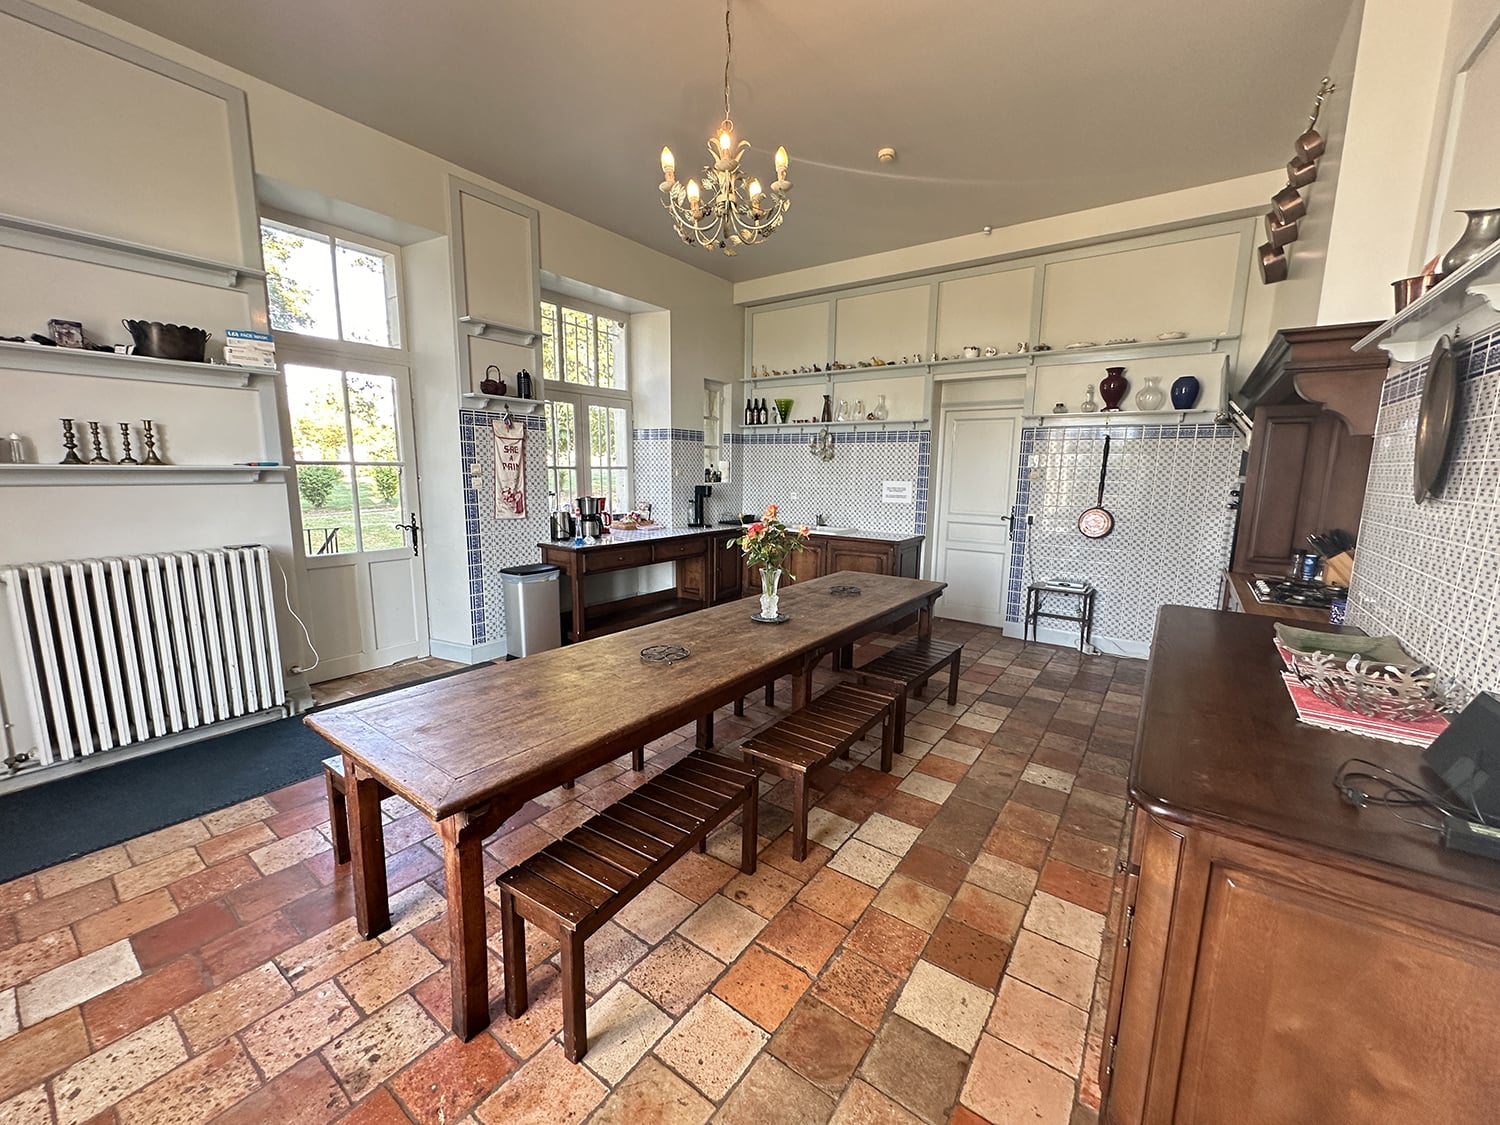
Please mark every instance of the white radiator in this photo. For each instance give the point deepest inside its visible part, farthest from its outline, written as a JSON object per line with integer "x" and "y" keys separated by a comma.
{"x": 112, "y": 652}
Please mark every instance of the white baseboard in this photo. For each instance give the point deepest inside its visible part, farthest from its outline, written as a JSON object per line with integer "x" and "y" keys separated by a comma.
{"x": 1107, "y": 646}
{"x": 468, "y": 654}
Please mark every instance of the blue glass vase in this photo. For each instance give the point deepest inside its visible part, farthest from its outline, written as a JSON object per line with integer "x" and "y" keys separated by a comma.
{"x": 1185, "y": 392}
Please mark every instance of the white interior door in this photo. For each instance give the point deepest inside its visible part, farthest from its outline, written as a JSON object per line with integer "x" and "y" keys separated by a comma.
{"x": 972, "y": 528}
{"x": 361, "y": 518}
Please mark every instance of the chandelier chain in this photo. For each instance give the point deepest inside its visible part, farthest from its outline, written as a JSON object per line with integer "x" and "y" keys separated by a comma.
{"x": 728, "y": 52}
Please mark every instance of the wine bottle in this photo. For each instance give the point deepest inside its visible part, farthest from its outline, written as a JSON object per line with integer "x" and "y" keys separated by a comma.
{"x": 764, "y": 418}
{"x": 749, "y": 413}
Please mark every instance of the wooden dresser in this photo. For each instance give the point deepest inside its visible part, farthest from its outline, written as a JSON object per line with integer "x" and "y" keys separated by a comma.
{"x": 1285, "y": 958}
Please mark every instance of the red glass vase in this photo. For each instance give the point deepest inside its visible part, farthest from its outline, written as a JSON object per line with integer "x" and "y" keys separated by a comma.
{"x": 1113, "y": 387}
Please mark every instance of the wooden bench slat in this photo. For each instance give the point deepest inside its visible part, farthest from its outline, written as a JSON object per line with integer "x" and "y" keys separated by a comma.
{"x": 648, "y": 825}
{"x": 524, "y": 884}
{"x": 567, "y": 879}
{"x": 720, "y": 766}
{"x": 685, "y": 795}
{"x": 787, "y": 753}
{"x": 712, "y": 782}
{"x": 628, "y": 835}
{"x": 658, "y": 808}
{"x": 624, "y": 857}
{"x": 598, "y": 869}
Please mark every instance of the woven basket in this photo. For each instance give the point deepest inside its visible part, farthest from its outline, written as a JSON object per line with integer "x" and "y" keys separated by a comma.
{"x": 1399, "y": 692}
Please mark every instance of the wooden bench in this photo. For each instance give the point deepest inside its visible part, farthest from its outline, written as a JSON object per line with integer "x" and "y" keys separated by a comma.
{"x": 572, "y": 887}
{"x": 806, "y": 740}
{"x": 338, "y": 810}
{"x": 910, "y": 665}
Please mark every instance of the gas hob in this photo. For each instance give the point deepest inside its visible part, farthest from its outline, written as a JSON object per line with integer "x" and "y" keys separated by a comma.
{"x": 1276, "y": 590}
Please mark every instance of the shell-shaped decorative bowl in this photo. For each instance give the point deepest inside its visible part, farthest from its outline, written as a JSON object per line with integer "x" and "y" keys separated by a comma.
{"x": 1399, "y": 692}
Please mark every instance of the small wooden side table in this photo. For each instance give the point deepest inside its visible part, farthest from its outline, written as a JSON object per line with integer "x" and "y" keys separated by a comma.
{"x": 1084, "y": 618}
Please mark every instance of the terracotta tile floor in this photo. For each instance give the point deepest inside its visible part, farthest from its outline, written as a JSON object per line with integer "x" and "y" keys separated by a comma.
{"x": 936, "y": 958}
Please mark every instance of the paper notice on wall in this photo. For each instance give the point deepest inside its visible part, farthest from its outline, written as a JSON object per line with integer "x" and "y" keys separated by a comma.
{"x": 895, "y": 492}
{"x": 510, "y": 470}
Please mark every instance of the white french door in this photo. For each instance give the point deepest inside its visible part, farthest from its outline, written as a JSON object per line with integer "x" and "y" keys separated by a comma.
{"x": 972, "y": 527}
{"x": 366, "y": 592}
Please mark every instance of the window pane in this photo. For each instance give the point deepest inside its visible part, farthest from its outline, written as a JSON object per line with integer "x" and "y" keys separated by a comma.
{"x": 380, "y": 508}
{"x": 549, "y": 342}
{"x": 327, "y": 509}
{"x": 577, "y": 347}
{"x": 299, "y": 280}
{"x": 611, "y": 348}
{"x": 372, "y": 410}
{"x": 564, "y": 488}
{"x": 367, "y": 295}
{"x": 316, "y": 398}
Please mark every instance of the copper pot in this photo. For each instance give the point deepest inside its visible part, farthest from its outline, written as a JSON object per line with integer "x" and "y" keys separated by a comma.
{"x": 1273, "y": 263}
{"x": 1408, "y": 289}
{"x": 1301, "y": 171}
{"x": 1289, "y": 204}
{"x": 1280, "y": 233}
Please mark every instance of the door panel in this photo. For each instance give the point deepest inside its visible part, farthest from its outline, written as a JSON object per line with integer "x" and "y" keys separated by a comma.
{"x": 976, "y": 489}
{"x": 350, "y": 426}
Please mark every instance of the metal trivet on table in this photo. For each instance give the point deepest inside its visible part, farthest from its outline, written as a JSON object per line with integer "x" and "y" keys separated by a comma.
{"x": 844, "y": 591}
{"x": 663, "y": 654}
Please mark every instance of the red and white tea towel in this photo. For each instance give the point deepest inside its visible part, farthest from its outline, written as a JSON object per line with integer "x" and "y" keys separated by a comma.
{"x": 510, "y": 469}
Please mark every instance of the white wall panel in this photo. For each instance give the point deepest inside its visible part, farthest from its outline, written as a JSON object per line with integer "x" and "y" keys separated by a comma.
{"x": 113, "y": 148}
{"x": 990, "y": 309}
{"x": 1174, "y": 287}
{"x": 500, "y": 270}
{"x": 887, "y": 325}
{"x": 785, "y": 339}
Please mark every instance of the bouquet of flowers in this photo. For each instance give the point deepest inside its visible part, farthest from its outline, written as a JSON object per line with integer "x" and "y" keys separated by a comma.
{"x": 767, "y": 542}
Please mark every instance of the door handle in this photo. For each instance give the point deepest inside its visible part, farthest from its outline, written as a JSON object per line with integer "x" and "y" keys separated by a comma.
{"x": 416, "y": 534}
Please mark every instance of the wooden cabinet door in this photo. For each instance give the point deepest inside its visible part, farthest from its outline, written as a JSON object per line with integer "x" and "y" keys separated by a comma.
{"x": 729, "y": 577}
{"x": 864, "y": 557}
{"x": 807, "y": 564}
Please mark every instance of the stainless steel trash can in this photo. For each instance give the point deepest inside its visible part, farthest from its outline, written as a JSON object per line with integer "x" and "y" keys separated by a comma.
{"x": 533, "y": 621}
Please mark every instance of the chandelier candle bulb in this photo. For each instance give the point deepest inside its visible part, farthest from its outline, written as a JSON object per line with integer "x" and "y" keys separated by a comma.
{"x": 668, "y": 168}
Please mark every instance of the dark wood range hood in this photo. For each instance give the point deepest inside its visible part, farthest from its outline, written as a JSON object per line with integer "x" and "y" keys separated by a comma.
{"x": 1313, "y": 403}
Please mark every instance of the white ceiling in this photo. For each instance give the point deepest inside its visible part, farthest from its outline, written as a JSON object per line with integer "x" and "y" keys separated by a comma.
{"x": 1002, "y": 111}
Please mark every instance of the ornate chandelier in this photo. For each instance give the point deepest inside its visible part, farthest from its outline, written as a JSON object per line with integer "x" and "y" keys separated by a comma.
{"x": 726, "y": 211}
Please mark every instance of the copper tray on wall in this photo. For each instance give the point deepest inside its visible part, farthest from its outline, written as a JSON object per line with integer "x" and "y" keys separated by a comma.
{"x": 1435, "y": 420}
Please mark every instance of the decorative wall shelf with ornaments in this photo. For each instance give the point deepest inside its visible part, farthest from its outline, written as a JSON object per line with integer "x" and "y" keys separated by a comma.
{"x": 112, "y": 365}
{"x": 139, "y": 474}
{"x": 1472, "y": 289}
{"x": 505, "y": 333}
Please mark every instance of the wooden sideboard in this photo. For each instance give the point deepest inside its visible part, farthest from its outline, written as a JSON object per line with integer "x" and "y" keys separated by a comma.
{"x": 870, "y": 553}
{"x": 1284, "y": 957}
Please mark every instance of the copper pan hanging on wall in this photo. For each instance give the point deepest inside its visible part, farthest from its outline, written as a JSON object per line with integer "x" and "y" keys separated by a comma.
{"x": 1279, "y": 233}
{"x": 1273, "y": 263}
{"x": 1311, "y": 144}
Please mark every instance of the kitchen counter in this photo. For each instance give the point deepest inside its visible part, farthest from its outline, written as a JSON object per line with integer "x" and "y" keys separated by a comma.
{"x": 1240, "y": 598}
{"x": 708, "y": 569}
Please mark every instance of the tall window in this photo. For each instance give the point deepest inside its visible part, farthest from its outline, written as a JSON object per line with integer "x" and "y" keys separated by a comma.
{"x": 328, "y": 287}
{"x": 335, "y": 313}
{"x": 588, "y": 404}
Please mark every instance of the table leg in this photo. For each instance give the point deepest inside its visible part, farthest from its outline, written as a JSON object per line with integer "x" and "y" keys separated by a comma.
{"x": 463, "y": 836}
{"x": 575, "y": 590}
{"x": 372, "y": 907}
{"x": 924, "y": 620}
{"x": 802, "y": 685}
{"x": 705, "y": 739}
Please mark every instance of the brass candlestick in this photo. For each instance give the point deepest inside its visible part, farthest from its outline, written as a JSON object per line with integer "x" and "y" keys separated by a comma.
{"x": 98, "y": 443}
{"x": 152, "y": 457}
{"x": 70, "y": 443}
{"x": 127, "y": 459}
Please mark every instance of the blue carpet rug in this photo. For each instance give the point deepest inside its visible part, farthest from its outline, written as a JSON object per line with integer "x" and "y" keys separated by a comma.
{"x": 83, "y": 812}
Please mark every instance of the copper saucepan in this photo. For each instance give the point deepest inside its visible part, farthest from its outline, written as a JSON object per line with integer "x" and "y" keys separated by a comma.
{"x": 1311, "y": 144}
{"x": 1097, "y": 522}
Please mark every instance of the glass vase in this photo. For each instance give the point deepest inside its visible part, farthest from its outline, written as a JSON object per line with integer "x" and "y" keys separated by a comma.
{"x": 770, "y": 579}
{"x": 1151, "y": 396}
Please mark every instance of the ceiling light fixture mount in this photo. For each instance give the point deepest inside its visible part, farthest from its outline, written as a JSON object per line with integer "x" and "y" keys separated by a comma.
{"x": 726, "y": 211}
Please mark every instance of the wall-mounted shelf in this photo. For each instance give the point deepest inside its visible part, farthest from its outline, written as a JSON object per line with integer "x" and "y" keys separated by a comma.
{"x": 137, "y": 474}
{"x": 112, "y": 365}
{"x": 866, "y": 424}
{"x": 1100, "y": 353}
{"x": 1410, "y": 334}
{"x": 515, "y": 405}
{"x": 86, "y": 246}
{"x": 505, "y": 333}
{"x": 1111, "y": 418}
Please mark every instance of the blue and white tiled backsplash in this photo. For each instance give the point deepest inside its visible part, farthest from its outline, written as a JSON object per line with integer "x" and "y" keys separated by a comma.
{"x": 1168, "y": 488}
{"x": 1429, "y": 574}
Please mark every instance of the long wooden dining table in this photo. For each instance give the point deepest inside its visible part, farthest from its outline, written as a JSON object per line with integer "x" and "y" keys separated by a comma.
{"x": 470, "y": 750}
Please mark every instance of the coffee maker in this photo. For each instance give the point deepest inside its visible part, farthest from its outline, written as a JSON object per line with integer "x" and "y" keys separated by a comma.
{"x": 590, "y": 516}
{"x": 701, "y": 492}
